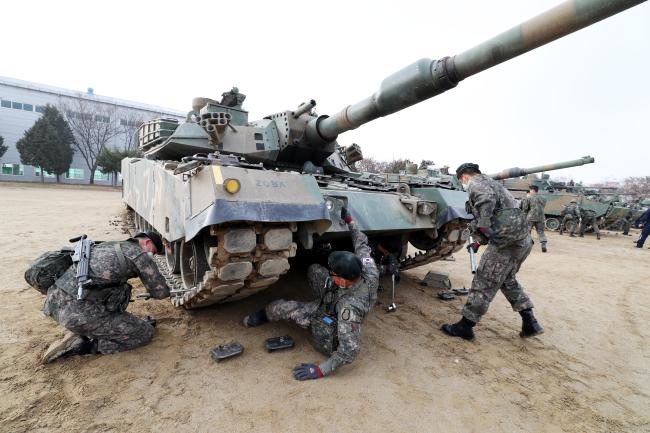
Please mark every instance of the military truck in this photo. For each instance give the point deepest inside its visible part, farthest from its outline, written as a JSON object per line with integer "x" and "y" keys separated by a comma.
{"x": 234, "y": 199}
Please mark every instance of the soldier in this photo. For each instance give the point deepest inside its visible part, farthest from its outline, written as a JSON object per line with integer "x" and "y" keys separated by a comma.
{"x": 344, "y": 295}
{"x": 99, "y": 323}
{"x": 533, "y": 205}
{"x": 644, "y": 222}
{"x": 571, "y": 212}
{"x": 499, "y": 223}
{"x": 588, "y": 217}
{"x": 625, "y": 223}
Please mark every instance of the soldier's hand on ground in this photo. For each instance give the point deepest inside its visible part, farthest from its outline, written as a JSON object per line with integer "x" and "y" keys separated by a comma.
{"x": 307, "y": 372}
{"x": 473, "y": 246}
{"x": 345, "y": 215}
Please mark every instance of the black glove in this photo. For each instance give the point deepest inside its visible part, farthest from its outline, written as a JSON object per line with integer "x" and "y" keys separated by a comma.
{"x": 473, "y": 246}
{"x": 345, "y": 215}
{"x": 486, "y": 231}
{"x": 307, "y": 372}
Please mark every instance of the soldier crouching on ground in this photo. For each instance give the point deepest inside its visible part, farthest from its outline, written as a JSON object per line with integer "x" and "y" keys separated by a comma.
{"x": 533, "y": 206}
{"x": 588, "y": 218}
{"x": 344, "y": 295}
{"x": 99, "y": 323}
{"x": 571, "y": 212}
{"x": 500, "y": 223}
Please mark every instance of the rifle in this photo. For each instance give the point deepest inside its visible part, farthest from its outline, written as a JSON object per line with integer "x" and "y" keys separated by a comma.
{"x": 81, "y": 261}
{"x": 472, "y": 255}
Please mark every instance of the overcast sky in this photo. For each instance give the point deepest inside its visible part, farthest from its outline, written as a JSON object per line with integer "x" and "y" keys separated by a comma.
{"x": 586, "y": 94}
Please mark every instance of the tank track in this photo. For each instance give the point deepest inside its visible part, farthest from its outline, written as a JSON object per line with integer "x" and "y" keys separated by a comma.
{"x": 453, "y": 237}
{"x": 243, "y": 261}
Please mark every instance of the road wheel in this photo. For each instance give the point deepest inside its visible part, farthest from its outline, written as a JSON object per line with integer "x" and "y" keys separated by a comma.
{"x": 173, "y": 256}
{"x": 552, "y": 224}
{"x": 193, "y": 262}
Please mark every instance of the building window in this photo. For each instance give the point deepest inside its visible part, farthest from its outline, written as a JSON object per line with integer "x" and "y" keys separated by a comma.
{"x": 17, "y": 105}
{"x": 12, "y": 169}
{"x": 37, "y": 172}
{"x": 100, "y": 118}
{"x": 40, "y": 109}
{"x": 75, "y": 173}
{"x": 28, "y": 107}
{"x": 5, "y": 104}
{"x": 100, "y": 175}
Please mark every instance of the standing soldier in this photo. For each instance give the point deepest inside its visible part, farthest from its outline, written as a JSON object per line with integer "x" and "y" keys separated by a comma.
{"x": 344, "y": 295}
{"x": 571, "y": 212}
{"x": 99, "y": 323}
{"x": 533, "y": 206}
{"x": 588, "y": 217}
{"x": 499, "y": 223}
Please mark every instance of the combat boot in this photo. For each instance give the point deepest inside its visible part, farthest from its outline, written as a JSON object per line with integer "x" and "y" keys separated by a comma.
{"x": 598, "y": 236}
{"x": 581, "y": 235}
{"x": 529, "y": 325}
{"x": 544, "y": 247}
{"x": 462, "y": 329}
{"x": 71, "y": 344}
{"x": 571, "y": 235}
{"x": 256, "y": 319}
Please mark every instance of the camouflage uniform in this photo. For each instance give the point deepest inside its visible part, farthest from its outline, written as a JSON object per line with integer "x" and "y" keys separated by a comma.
{"x": 501, "y": 261}
{"x": 350, "y": 305}
{"x": 534, "y": 208}
{"x": 571, "y": 212}
{"x": 102, "y": 315}
{"x": 588, "y": 217}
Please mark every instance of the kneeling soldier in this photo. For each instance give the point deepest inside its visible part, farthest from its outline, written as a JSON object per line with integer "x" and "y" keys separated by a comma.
{"x": 345, "y": 294}
{"x": 99, "y": 323}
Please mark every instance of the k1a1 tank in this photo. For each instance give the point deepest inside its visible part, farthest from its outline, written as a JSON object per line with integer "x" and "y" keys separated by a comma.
{"x": 518, "y": 180}
{"x": 234, "y": 199}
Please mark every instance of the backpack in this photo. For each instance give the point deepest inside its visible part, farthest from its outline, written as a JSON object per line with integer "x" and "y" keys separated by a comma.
{"x": 47, "y": 268}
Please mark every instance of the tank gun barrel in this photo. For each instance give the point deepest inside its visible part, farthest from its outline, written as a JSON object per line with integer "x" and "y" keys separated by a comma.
{"x": 427, "y": 78}
{"x": 509, "y": 173}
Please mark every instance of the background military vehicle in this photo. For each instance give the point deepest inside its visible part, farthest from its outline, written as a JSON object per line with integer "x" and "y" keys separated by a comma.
{"x": 234, "y": 199}
{"x": 518, "y": 180}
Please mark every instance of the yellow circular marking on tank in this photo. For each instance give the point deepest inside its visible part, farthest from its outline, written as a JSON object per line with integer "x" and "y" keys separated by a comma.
{"x": 231, "y": 185}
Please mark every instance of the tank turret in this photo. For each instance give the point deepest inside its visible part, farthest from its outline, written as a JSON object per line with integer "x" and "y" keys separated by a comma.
{"x": 510, "y": 173}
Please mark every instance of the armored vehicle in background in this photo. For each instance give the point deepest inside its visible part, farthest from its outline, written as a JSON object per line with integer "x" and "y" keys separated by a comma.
{"x": 518, "y": 180}
{"x": 234, "y": 199}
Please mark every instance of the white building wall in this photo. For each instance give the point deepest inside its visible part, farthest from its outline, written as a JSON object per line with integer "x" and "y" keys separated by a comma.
{"x": 15, "y": 121}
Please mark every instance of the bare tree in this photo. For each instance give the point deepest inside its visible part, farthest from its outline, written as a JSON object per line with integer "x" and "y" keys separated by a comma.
{"x": 637, "y": 187}
{"x": 93, "y": 125}
{"x": 129, "y": 122}
{"x": 371, "y": 165}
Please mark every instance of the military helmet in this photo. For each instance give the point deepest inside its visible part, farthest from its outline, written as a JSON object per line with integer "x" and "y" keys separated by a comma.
{"x": 467, "y": 166}
{"x": 345, "y": 264}
{"x": 154, "y": 237}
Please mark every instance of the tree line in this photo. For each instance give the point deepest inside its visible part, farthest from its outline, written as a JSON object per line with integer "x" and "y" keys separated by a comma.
{"x": 82, "y": 127}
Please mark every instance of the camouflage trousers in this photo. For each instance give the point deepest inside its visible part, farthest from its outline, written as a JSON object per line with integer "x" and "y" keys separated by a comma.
{"x": 300, "y": 312}
{"x": 115, "y": 331}
{"x": 539, "y": 227}
{"x": 589, "y": 221}
{"x": 496, "y": 271}
{"x": 564, "y": 222}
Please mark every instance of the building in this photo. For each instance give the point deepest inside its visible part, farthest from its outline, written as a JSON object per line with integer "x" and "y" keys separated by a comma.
{"x": 21, "y": 103}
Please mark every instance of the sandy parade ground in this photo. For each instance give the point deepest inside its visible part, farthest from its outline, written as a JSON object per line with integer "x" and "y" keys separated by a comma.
{"x": 590, "y": 371}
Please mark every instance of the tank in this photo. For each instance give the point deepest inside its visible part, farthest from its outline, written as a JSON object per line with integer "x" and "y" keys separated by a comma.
{"x": 234, "y": 199}
{"x": 518, "y": 180}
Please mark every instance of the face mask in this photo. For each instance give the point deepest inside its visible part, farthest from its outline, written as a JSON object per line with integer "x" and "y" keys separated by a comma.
{"x": 465, "y": 185}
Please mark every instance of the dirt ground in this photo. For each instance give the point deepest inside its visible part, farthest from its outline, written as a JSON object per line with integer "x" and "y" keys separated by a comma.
{"x": 588, "y": 373}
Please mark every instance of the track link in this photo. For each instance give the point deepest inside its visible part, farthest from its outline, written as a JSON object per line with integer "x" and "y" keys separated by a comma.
{"x": 453, "y": 237}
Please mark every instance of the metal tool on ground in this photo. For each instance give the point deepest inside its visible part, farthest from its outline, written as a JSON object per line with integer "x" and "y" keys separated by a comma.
{"x": 225, "y": 351}
{"x": 81, "y": 262}
{"x": 392, "y": 307}
{"x": 279, "y": 343}
{"x": 446, "y": 295}
{"x": 463, "y": 291}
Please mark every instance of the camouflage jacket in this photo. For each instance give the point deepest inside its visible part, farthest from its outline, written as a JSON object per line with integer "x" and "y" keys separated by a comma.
{"x": 572, "y": 210}
{"x": 587, "y": 213}
{"x": 352, "y": 305}
{"x": 106, "y": 270}
{"x": 534, "y": 208}
{"x": 495, "y": 208}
